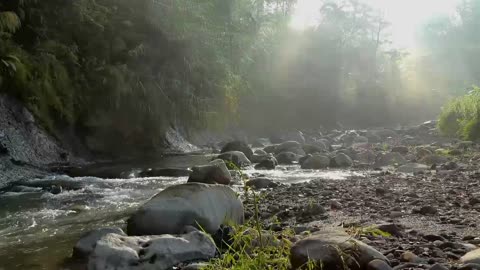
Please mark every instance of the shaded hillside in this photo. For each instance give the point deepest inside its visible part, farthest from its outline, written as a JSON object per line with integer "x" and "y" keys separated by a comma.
{"x": 105, "y": 67}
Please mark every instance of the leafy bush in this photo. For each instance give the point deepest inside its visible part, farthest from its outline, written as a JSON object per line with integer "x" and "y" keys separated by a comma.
{"x": 461, "y": 117}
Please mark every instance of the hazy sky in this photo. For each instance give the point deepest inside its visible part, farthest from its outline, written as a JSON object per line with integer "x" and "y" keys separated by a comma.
{"x": 405, "y": 15}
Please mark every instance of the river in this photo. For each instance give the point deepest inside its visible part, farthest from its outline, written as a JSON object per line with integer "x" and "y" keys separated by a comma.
{"x": 38, "y": 229}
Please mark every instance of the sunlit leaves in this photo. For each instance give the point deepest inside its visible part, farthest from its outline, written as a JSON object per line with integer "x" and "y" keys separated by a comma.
{"x": 9, "y": 22}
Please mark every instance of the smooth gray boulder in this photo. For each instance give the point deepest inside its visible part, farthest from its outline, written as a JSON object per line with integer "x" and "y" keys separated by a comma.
{"x": 192, "y": 204}
{"x": 258, "y": 158}
{"x": 261, "y": 182}
{"x": 260, "y": 152}
{"x": 117, "y": 252}
{"x": 216, "y": 172}
{"x": 287, "y": 158}
{"x": 235, "y": 159}
{"x": 333, "y": 249}
{"x": 290, "y": 146}
{"x": 318, "y": 147}
{"x": 341, "y": 160}
{"x": 316, "y": 162}
{"x": 270, "y": 149}
{"x": 238, "y": 146}
{"x": 268, "y": 163}
{"x": 84, "y": 247}
{"x": 471, "y": 257}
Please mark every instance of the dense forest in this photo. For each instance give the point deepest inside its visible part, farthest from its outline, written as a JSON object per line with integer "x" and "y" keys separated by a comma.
{"x": 239, "y": 134}
{"x": 121, "y": 72}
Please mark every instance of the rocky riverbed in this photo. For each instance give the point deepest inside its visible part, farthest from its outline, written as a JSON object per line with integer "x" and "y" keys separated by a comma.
{"x": 401, "y": 199}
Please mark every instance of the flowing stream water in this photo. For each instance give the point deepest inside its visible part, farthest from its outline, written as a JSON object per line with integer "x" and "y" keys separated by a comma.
{"x": 38, "y": 229}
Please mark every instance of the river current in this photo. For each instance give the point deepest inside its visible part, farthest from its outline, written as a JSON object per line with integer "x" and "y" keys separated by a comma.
{"x": 38, "y": 229}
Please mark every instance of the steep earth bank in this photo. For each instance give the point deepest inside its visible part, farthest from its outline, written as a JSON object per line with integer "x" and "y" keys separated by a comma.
{"x": 28, "y": 151}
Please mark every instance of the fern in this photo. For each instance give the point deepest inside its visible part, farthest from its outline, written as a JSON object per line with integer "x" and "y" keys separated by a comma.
{"x": 9, "y": 22}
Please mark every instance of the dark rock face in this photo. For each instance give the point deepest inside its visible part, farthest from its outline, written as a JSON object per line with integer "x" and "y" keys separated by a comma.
{"x": 23, "y": 138}
{"x": 176, "y": 142}
{"x": 25, "y": 146}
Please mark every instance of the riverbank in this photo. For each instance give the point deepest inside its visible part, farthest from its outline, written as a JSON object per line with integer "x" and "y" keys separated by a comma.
{"x": 396, "y": 191}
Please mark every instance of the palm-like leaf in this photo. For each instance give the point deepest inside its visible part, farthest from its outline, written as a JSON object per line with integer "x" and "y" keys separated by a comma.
{"x": 9, "y": 22}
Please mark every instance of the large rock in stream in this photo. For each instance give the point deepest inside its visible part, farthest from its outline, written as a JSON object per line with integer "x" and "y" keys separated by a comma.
{"x": 341, "y": 160}
{"x": 268, "y": 163}
{"x": 216, "y": 172}
{"x": 316, "y": 162}
{"x": 177, "y": 208}
{"x": 333, "y": 249}
{"x": 290, "y": 146}
{"x": 85, "y": 246}
{"x": 287, "y": 158}
{"x": 235, "y": 159}
{"x": 117, "y": 252}
{"x": 238, "y": 146}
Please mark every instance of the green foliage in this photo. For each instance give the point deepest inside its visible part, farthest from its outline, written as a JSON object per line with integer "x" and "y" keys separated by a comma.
{"x": 9, "y": 22}
{"x": 461, "y": 117}
{"x": 124, "y": 71}
{"x": 248, "y": 252}
{"x": 370, "y": 230}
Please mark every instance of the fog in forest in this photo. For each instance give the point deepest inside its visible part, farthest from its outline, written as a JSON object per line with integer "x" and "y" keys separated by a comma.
{"x": 134, "y": 69}
{"x": 239, "y": 134}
